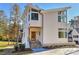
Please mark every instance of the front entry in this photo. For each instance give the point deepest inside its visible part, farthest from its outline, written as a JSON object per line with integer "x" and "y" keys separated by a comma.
{"x": 33, "y": 36}
{"x": 34, "y": 33}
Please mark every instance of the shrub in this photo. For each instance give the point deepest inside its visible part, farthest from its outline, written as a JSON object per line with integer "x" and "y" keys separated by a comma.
{"x": 22, "y": 47}
{"x": 0, "y": 38}
{"x": 16, "y": 48}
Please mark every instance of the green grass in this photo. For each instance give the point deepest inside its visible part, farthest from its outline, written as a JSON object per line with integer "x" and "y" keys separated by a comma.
{"x": 4, "y": 44}
{"x": 2, "y": 47}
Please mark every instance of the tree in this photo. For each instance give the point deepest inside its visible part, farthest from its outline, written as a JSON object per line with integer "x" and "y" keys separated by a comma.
{"x": 3, "y": 27}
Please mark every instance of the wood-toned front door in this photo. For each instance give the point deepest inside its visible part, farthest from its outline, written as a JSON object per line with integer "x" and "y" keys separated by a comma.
{"x": 33, "y": 36}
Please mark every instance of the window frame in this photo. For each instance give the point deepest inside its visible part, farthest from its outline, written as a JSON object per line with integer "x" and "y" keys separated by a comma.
{"x": 59, "y": 19}
{"x": 63, "y": 16}
{"x": 60, "y": 34}
{"x": 34, "y": 19}
{"x": 75, "y": 36}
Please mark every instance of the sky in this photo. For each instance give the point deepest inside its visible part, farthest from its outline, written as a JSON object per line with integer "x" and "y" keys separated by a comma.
{"x": 74, "y": 11}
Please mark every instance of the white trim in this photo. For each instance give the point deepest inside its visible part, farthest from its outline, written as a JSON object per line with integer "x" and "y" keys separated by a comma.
{"x": 55, "y": 10}
{"x": 36, "y": 13}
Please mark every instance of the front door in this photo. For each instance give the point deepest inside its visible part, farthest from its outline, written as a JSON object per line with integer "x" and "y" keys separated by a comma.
{"x": 33, "y": 36}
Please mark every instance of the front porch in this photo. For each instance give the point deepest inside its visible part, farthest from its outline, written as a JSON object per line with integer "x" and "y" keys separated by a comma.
{"x": 35, "y": 34}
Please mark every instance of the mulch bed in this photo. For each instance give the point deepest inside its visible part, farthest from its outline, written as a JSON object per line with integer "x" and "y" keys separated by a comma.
{"x": 12, "y": 52}
{"x": 60, "y": 46}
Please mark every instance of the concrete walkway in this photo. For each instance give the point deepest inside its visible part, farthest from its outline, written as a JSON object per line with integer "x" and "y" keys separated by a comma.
{"x": 58, "y": 51}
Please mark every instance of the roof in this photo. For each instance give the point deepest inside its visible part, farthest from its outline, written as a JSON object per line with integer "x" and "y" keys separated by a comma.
{"x": 49, "y": 10}
{"x": 70, "y": 31}
{"x": 77, "y": 30}
{"x": 57, "y": 9}
{"x": 34, "y": 7}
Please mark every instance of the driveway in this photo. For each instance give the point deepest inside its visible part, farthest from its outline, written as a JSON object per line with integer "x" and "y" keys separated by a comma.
{"x": 58, "y": 51}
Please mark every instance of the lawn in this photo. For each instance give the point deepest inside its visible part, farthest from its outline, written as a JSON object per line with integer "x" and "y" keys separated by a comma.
{"x": 7, "y": 48}
{"x": 4, "y": 44}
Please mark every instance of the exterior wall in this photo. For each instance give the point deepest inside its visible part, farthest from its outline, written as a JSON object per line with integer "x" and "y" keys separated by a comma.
{"x": 65, "y": 29}
{"x": 36, "y": 26}
{"x": 36, "y": 23}
{"x": 50, "y": 29}
{"x": 62, "y": 25}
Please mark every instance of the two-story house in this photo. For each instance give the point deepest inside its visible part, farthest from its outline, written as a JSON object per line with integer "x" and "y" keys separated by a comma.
{"x": 48, "y": 26}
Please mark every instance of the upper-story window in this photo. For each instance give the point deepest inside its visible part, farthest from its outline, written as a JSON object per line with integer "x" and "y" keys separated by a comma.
{"x": 62, "y": 16}
{"x": 59, "y": 18}
{"x": 34, "y": 14}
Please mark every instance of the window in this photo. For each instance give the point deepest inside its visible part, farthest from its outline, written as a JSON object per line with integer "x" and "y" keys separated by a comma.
{"x": 65, "y": 13}
{"x": 61, "y": 34}
{"x": 65, "y": 34}
{"x": 59, "y": 18}
{"x": 62, "y": 16}
{"x": 34, "y": 16}
{"x": 75, "y": 36}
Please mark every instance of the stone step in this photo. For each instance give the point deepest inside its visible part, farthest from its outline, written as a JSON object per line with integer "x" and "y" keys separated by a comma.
{"x": 35, "y": 44}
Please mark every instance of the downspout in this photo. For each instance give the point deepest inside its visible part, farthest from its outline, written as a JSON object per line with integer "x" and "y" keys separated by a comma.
{"x": 42, "y": 27}
{"x": 66, "y": 24}
{"x": 29, "y": 24}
